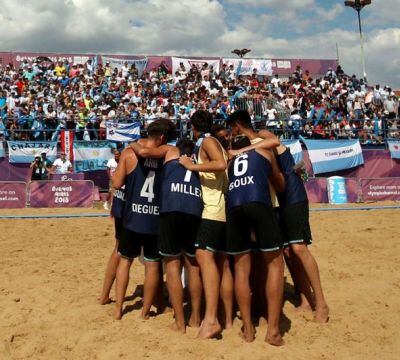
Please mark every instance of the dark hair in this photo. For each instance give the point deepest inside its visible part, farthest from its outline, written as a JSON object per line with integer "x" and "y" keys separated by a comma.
{"x": 161, "y": 127}
{"x": 240, "y": 142}
{"x": 215, "y": 129}
{"x": 202, "y": 121}
{"x": 186, "y": 147}
{"x": 242, "y": 117}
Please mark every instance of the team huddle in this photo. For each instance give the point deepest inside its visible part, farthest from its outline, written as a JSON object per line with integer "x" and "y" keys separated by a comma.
{"x": 229, "y": 209}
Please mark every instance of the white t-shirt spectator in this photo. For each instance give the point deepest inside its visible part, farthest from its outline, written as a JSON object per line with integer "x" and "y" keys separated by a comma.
{"x": 112, "y": 165}
{"x": 61, "y": 167}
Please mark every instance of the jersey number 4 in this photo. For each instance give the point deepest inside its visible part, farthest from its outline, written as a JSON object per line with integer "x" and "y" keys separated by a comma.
{"x": 148, "y": 187}
{"x": 241, "y": 165}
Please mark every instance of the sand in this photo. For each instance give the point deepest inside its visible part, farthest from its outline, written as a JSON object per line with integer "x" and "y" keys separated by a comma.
{"x": 51, "y": 273}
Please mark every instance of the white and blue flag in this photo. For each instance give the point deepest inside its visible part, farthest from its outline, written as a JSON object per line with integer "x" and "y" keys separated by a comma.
{"x": 91, "y": 155}
{"x": 123, "y": 132}
{"x": 394, "y": 148}
{"x": 21, "y": 152}
{"x": 333, "y": 155}
{"x": 295, "y": 149}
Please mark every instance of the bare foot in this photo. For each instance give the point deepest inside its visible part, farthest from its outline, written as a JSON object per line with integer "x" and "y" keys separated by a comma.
{"x": 274, "y": 339}
{"x": 180, "y": 329}
{"x": 145, "y": 316}
{"x": 208, "y": 331}
{"x": 228, "y": 325}
{"x": 248, "y": 335}
{"x": 194, "y": 322}
{"x": 118, "y": 313}
{"x": 321, "y": 314}
{"x": 105, "y": 301}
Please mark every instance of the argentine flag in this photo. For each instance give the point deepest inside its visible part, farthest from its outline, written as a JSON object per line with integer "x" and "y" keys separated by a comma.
{"x": 394, "y": 148}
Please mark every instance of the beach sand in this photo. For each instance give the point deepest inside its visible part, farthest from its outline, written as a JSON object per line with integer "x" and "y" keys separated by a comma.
{"x": 51, "y": 273}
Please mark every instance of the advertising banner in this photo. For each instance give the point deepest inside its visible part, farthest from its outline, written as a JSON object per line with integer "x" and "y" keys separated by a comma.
{"x": 60, "y": 194}
{"x": 12, "y": 195}
{"x": 188, "y": 63}
{"x": 334, "y": 155}
{"x": 91, "y": 155}
{"x": 67, "y": 177}
{"x": 25, "y": 151}
{"x": 380, "y": 189}
{"x": 247, "y": 66}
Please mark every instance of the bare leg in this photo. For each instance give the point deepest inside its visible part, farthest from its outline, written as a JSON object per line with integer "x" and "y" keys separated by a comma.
{"x": 311, "y": 269}
{"x": 175, "y": 291}
{"x": 195, "y": 290}
{"x": 226, "y": 289}
{"x": 211, "y": 282}
{"x": 151, "y": 283}
{"x": 258, "y": 278}
{"x": 274, "y": 293}
{"x": 122, "y": 280}
{"x": 243, "y": 294}
{"x": 109, "y": 277}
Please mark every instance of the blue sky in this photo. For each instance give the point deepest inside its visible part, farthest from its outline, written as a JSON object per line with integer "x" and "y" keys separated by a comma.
{"x": 271, "y": 28}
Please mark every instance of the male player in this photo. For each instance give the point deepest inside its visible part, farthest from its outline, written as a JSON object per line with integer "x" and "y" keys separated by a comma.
{"x": 142, "y": 180}
{"x": 294, "y": 218}
{"x": 250, "y": 210}
{"x": 211, "y": 240}
{"x": 181, "y": 208}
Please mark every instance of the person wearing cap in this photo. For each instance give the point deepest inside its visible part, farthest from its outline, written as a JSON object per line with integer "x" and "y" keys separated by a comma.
{"x": 62, "y": 165}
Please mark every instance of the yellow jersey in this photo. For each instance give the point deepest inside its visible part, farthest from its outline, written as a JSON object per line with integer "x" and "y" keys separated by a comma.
{"x": 214, "y": 186}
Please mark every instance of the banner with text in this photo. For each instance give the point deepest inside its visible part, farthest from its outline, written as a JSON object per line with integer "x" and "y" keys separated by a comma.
{"x": 2, "y": 152}
{"x": 67, "y": 144}
{"x": 55, "y": 194}
{"x": 188, "y": 63}
{"x": 25, "y": 151}
{"x": 247, "y": 66}
{"x": 384, "y": 189}
{"x": 295, "y": 149}
{"x": 91, "y": 155}
{"x": 12, "y": 195}
{"x": 333, "y": 155}
{"x": 123, "y": 132}
{"x": 394, "y": 148}
{"x": 140, "y": 64}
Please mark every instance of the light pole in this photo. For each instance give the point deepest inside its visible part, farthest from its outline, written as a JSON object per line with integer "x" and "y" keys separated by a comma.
{"x": 358, "y": 5}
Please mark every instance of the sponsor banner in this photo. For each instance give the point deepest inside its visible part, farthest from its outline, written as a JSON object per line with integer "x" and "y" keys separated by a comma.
{"x": 12, "y": 195}
{"x": 122, "y": 132}
{"x": 380, "y": 189}
{"x": 394, "y": 148}
{"x": 91, "y": 155}
{"x": 247, "y": 66}
{"x": 67, "y": 177}
{"x": 316, "y": 190}
{"x": 67, "y": 144}
{"x": 2, "y": 152}
{"x": 333, "y": 155}
{"x": 56, "y": 194}
{"x": 119, "y": 62}
{"x": 295, "y": 149}
{"x": 25, "y": 151}
{"x": 188, "y": 63}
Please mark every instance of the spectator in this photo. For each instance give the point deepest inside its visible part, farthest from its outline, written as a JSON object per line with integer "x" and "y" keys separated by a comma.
{"x": 37, "y": 169}
{"x": 62, "y": 165}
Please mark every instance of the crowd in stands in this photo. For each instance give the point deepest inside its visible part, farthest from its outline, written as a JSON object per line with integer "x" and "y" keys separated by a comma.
{"x": 38, "y": 100}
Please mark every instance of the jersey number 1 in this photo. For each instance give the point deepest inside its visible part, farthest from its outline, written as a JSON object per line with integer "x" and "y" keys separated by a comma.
{"x": 148, "y": 187}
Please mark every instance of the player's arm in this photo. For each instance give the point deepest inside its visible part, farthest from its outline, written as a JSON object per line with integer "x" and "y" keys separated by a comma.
{"x": 155, "y": 153}
{"x": 277, "y": 179}
{"x": 126, "y": 164}
{"x": 270, "y": 141}
{"x": 214, "y": 152}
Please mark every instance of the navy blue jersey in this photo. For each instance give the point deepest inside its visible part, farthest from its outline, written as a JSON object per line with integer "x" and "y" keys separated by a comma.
{"x": 181, "y": 190}
{"x": 118, "y": 203}
{"x": 248, "y": 180}
{"x": 295, "y": 191}
{"x": 143, "y": 192}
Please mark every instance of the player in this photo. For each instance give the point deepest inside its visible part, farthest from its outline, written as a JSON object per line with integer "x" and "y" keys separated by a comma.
{"x": 111, "y": 167}
{"x": 142, "y": 179}
{"x": 181, "y": 208}
{"x": 249, "y": 210}
{"x": 210, "y": 240}
{"x": 294, "y": 216}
